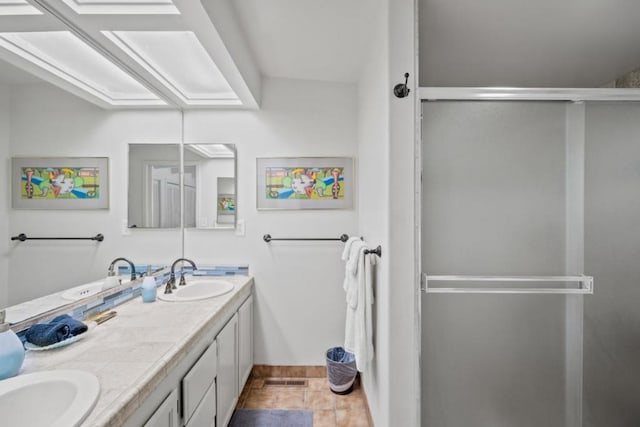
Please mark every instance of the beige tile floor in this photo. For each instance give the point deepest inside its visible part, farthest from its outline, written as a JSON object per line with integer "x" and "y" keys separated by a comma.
{"x": 329, "y": 409}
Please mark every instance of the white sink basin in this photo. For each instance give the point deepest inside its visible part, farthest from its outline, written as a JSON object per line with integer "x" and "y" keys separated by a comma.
{"x": 197, "y": 289}
{"x": 61, "y": 398}
{"x": 83, "y": 291}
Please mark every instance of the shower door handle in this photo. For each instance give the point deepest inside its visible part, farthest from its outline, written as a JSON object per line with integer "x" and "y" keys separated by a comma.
{"x": 585, "y": 284}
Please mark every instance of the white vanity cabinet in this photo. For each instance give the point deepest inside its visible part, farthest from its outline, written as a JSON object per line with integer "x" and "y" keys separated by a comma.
{"x": 202, "y": 390}
{"x": 227, "y": 381}
{"x": 235, "y": 360}
{"x": 245, "y": 341}
{"x": 196, "y": 394}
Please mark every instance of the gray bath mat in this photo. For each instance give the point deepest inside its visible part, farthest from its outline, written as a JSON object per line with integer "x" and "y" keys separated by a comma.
{"x": 271, "y": 418}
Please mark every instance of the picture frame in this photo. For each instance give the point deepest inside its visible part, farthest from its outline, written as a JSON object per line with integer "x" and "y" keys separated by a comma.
{"x": 65, "y": 183}
{"x": 304, "y": 183}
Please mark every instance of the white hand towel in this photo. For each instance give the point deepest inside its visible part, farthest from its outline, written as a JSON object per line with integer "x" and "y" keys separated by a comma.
{"x": 352, "y": 266}
{"x": 346, "y": 254}
{"x": 358, "y": 328}
{"x": 347, "y": 247}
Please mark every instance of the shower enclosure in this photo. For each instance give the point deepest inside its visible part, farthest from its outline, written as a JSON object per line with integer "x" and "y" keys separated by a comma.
{"x": 531, "y": 303}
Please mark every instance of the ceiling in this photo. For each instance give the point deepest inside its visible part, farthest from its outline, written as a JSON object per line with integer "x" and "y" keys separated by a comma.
{"x": 62, "y": 42}
{"x": 132, "y": 53}
{"x": 546, "y": 43}
{"x": 542, "y": 43}
{"x": 324, "y": 40}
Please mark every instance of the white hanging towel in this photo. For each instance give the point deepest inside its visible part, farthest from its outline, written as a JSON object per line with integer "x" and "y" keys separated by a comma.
{"x": 357, "y": 284}
{"x": 350, "y": 257}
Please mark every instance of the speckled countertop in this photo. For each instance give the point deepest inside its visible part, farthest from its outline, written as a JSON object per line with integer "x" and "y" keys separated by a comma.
{"x": 133, "y": 352}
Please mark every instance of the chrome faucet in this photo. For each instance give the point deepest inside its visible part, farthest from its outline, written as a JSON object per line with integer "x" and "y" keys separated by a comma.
{"x": 171, "y": 284}
{"x": 113, "y": 263}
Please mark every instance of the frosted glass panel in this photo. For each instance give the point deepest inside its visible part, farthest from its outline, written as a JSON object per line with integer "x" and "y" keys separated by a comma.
{"x": 498, "y": 199}
{"x": 612, "y": 251}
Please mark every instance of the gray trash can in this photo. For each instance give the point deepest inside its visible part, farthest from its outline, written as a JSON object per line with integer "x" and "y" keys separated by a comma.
{"x": 341, "y": 370}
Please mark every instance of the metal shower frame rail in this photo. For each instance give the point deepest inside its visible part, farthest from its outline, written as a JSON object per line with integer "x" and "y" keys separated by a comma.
{"x": 586, "y": 284}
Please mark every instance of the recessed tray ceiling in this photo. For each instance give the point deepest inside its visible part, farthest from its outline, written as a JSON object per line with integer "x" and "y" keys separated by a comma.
{"x": 123, "y": 7}
{"x": 17, "y": 7}
{"x": 178, "y": 60}
{"x": 57, "y": 52}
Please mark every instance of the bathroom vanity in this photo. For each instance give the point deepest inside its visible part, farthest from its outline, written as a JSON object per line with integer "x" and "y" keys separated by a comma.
{"x": 165, "y": 363}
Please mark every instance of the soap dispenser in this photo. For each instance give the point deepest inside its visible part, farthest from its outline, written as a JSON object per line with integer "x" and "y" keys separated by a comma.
{"x": 11, "y": 350}
{"x": 149, "y": 289}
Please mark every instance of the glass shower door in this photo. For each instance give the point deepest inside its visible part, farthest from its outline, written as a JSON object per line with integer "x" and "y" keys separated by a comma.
{"x": 503, "y": 257}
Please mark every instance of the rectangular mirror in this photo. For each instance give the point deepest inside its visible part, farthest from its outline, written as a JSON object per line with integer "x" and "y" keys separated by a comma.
{"x": 154, "y": 186}
{"x": 210, "y": 186}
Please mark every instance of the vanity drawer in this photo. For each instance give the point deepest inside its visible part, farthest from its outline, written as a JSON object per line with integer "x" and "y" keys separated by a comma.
{"x": 205, "y": 413}
{"x": 198, "y": 381}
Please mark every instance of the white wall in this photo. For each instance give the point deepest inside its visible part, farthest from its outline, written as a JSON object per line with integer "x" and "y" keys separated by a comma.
{"x": 300, "y": 307}
{"x": 404, "y": 343}
{"x": 373, "y": 209}
{"x": 387, "y": 213}
{"x": 4, "y": 198}
{"x": 46, "y": 121}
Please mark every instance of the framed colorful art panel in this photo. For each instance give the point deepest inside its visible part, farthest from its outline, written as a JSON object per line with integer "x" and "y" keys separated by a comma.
{"x": 305, "y": 183}
{"x": 60, "y": 183}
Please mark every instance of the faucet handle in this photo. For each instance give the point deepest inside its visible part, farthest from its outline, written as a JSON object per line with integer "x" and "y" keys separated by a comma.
{"x": 182, "y": 280}
{"x": 167, "y": 289}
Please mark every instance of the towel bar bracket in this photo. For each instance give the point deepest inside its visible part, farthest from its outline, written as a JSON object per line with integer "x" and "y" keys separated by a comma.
{"x": 377, "y": 251}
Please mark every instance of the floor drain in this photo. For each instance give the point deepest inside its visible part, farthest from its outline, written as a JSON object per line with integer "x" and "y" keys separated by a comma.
{"x": 287, "y": 383}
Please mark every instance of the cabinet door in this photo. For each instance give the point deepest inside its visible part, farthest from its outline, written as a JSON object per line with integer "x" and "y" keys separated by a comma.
{"x": 245, "y": 341}
{"x": 197, "y": 381}
{"x": 227, "y": 379}
{"x": 167, "y": 413}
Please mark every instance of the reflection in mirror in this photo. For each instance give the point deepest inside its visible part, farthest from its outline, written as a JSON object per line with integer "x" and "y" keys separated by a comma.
{"x": 210, "y": 186}
{"x": 154, "y": 186}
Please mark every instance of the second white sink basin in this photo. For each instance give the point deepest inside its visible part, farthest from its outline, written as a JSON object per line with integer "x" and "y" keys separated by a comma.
{"x": 61, "y": 398}
{"x": 197, "y": 289}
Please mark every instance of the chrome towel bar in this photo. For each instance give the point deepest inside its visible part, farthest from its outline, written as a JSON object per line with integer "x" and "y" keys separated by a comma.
{"x": 343, "y": 238}
{"x": 22, "y": 237}
{"x": 267, "y": 238}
